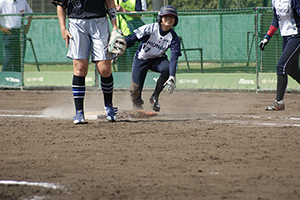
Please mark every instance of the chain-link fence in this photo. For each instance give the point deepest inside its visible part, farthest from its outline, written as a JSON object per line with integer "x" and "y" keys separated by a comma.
{"x": 45, "y": 6}
{"x": 213, "y": 41}
{"x": 211, "y": 4}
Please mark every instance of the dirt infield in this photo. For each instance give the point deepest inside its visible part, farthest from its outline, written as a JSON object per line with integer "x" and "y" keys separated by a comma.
{"x": 202, "y": 145}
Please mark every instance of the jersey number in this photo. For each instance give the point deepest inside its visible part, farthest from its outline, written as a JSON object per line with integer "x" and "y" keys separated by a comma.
{"x": 146, "y": 48}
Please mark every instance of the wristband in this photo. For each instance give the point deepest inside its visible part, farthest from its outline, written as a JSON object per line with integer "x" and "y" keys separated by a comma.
{"x": 112, "y": 13}
{"x": 271, "y": 32}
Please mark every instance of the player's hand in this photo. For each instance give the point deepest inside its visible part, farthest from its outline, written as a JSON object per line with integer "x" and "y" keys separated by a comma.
{"x": 66, "y": 35}
{"x": 263, "y": 43}
{"x": 6, "y": 31}
{"x": 170, "y": 83}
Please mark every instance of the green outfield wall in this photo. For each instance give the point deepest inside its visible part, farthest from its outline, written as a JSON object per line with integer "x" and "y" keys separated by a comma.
{"x": 184, "y": 81}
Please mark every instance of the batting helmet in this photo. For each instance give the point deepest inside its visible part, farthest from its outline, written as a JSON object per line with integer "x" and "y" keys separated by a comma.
{"x": 167, "y": 10}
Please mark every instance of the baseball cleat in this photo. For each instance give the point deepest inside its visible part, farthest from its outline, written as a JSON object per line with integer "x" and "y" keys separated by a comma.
{"x": 79, "y": 117}
{"x": 137, "y": 104}
{"x": 154, "y": 103}
{"x": 111, "y": 112}
{"x": 276, "y": 105}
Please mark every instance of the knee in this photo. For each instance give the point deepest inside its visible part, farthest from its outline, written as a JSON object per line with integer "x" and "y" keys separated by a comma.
{"x": 104, "y": 72}
{"x": 80, "y": 71}
{"x": 80, "y": 68}
{"x": 104, "y": 68}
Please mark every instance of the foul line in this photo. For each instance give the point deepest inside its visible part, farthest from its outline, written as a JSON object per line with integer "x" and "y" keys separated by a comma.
{"x": 10, "y": 115}
{"x": 254, "y": 123}
{"x": 229, "y": 121}
{"x": 39, "y": 184}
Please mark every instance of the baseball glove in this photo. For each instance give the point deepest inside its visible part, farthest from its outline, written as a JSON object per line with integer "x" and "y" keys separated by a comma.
{"x": 117, "y": 43}
{"x": 170, "y": 83}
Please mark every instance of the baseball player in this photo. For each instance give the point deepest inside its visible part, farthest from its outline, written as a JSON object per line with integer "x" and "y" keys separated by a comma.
{"x": 88, "y": 35}
{"x": 287, "y": 18}
{"x": 156, "y": 39}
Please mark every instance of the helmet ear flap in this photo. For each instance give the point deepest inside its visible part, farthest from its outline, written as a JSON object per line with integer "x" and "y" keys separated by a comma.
{"x": 176, "y": 21}
{"x": 158, "y": 19}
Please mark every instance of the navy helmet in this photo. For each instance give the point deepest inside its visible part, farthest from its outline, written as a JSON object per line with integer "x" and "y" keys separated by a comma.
{"x": 167, "y": 10}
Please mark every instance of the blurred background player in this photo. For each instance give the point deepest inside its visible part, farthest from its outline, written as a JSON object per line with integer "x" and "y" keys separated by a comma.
{"x": 11, "y": 29}
{"x": 156, "y": 39}
{"x": 287, "y": 18}
{"x": 88, "y": 34}
{"x": 128, "y": 23}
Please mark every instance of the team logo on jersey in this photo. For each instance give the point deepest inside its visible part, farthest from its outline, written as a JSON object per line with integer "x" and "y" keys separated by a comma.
{"x": 157, "y": 46}
{"x": 76, "y": 3}
{"x": 282, "y": 10}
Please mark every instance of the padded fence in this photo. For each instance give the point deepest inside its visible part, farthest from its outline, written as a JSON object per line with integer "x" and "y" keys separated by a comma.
{"x": 218, "y": 46}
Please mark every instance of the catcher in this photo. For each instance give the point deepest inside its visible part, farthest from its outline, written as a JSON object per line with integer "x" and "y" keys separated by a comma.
{"x": 156, "y": 39}
{"x": 87, "y": 22}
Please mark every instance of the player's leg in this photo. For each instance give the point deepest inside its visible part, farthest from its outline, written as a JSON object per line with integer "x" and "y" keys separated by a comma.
{"x": 161, "y": 66}
{"x": 292, "y": 66}
{"x": 287, "y": 64}
{"x": 138, "y": 76}
{"x": 99, "y": 32}
{"x": 107, "y": 86}
{"x": 79, "y": 49}
{"x": 8, "y": 52}
{"x": 80, "y": 67}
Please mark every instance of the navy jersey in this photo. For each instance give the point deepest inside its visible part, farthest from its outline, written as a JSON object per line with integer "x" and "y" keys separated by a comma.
{"x": 286, "y": 16}
{"x": 83, "y": 9}
{"x": 155, "y": 43}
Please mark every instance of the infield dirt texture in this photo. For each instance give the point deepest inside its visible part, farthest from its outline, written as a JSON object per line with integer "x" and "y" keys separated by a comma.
{"x": 202, "y": 145}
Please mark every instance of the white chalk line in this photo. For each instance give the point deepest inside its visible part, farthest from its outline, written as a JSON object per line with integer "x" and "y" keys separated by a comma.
{"x": 94, "y": 116}
{"x": 12, "y": 115}
{"x": 255, "y": 123}
{"x": 39, "y": 184}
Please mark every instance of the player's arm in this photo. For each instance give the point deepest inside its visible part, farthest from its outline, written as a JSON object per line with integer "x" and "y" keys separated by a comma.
{"x": 141, "y": 34}
{"x": 61, "y": 14}
{"x": 3, "y": 29}
{"x": 175, "y": 53}
{"x": 132, "y": 39}
{"x": 112, "y": 13}
{"x": 272, "y": 29}
{"x": 296, "y": 6}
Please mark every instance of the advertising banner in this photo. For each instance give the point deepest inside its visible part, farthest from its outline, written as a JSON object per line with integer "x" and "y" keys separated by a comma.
{"x": 10, "y": 79}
